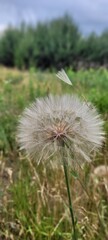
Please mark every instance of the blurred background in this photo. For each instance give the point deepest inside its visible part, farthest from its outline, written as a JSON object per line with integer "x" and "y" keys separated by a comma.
{"x": 49, "y": 34}
{"x": 38, "y": 38}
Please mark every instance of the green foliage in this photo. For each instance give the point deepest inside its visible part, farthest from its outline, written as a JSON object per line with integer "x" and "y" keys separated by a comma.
{"x": 24, "y": 50}
{"x": 8, "y": 46}
{"x": 51, "y": 44}
{"x": 63, "y": 37}
{"x": 95, "y": 85}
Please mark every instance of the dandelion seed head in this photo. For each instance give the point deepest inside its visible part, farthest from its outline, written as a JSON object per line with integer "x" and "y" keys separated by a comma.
{"x": 54, "y": 122}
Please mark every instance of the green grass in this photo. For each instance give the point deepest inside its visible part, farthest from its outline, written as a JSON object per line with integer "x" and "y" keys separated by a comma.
{"x": 33, "y": 199}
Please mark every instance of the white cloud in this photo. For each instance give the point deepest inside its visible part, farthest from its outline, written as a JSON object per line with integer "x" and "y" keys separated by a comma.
{"x": 3, "y": 27}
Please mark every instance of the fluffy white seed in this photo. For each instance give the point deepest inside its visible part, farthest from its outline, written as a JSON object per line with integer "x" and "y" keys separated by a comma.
{"x": 63, "y": 76}
{"x": 56, "y": 122}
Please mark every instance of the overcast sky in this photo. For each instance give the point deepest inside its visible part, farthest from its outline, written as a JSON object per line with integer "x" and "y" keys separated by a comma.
{"x": 90, "y": 15}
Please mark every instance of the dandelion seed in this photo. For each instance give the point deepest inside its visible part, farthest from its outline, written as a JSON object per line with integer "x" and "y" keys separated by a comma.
{"x": 53, "y": 122}
{"x": 63, "y": 76}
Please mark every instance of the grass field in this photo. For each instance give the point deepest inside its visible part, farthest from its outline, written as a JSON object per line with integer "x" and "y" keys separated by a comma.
{"x": 33, "y": 199}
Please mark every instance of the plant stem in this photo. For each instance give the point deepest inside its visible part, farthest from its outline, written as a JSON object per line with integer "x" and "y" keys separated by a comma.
{"x": 69, "y": 198}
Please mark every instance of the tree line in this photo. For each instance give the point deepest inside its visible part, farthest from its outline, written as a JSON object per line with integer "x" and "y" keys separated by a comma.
{"x": 53, "y": 44}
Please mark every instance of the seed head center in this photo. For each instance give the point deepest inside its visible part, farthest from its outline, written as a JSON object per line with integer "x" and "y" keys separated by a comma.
{"x": 57, "y": 132}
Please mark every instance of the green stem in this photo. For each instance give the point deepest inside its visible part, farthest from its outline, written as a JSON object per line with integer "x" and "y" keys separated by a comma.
{"x": 69, "y": 198}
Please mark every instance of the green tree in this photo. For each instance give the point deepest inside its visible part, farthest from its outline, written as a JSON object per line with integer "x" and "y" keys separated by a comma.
{"x": 25, "y": 49}
{"x": 8, "y": 44}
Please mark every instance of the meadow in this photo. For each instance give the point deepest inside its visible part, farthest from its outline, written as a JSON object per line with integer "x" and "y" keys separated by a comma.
{"x": 33, "y": 199}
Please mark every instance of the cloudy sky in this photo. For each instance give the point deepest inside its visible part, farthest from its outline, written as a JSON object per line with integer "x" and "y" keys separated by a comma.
{"x": 90, "y": 15}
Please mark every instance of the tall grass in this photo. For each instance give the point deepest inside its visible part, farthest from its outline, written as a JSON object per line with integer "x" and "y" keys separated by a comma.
{"x": 33, "y": 199}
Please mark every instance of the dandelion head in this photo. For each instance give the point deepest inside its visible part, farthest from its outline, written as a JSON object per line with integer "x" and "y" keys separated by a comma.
{"x": 56, "y": 122}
